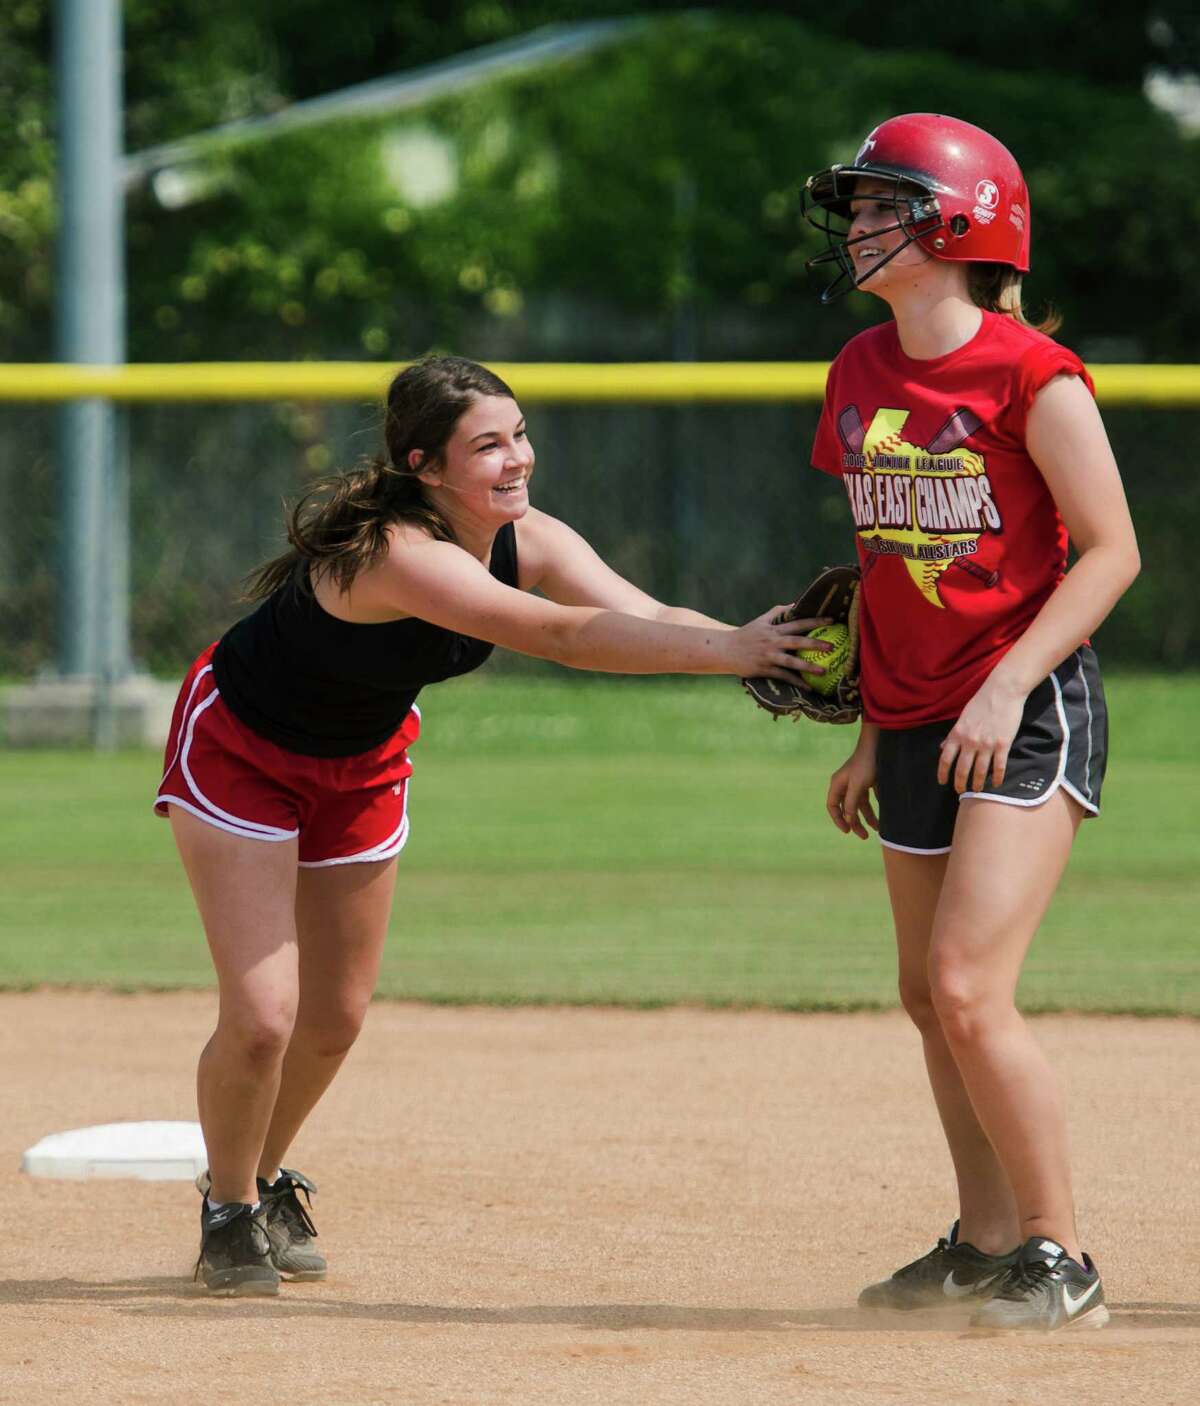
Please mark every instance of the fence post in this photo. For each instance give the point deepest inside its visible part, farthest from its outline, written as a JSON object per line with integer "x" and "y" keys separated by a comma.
{"x": 93, "y": 639}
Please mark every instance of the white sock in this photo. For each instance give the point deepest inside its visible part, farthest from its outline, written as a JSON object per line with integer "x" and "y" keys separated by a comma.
{"x": 274, "y": 1177}
{"x": 216, "y": 1205}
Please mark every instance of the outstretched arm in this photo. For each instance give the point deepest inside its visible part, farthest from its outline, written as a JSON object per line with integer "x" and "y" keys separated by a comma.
{"x": 439, "y": 582}
{"x": 561, "y": 564}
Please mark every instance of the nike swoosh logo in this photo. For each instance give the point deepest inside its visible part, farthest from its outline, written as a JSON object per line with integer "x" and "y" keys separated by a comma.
{"x": 955, "y": 1290}
{"x": 1074, "y": 1305}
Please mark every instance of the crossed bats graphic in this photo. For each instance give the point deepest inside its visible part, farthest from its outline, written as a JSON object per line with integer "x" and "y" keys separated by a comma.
{"x": 957, "y": 429}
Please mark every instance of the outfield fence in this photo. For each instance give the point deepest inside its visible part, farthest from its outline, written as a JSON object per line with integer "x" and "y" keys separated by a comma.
{"x": 536, "y": 382}
{"x": 691, "y": 479}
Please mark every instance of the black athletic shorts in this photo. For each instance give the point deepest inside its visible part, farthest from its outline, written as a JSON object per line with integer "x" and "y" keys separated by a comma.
{"x": 1062, "y": 741}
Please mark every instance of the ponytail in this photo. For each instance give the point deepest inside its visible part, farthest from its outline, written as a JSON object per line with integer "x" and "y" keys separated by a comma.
{"x": 339, "y": 527}
{"x": 997, "y": 288}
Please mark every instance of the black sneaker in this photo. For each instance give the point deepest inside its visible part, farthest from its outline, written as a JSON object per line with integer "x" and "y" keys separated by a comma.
{"x": 951, "y": 1272}
{"x": 1045, "y": 1289}
{"x": 290, "y": 1228}
{"x": 235, "y": 1254}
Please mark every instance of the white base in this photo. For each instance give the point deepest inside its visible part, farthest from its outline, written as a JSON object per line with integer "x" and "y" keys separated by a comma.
{"x": 148, "y": 1151}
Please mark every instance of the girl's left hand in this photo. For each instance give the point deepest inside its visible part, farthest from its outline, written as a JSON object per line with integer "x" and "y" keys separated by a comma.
{"x": 979, "y": 741}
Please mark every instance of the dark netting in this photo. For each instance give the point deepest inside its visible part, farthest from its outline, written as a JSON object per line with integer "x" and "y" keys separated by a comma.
{"x": 711, "y": 506}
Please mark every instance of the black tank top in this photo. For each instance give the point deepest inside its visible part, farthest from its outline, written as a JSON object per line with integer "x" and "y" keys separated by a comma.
{"x": 327, "y": 688}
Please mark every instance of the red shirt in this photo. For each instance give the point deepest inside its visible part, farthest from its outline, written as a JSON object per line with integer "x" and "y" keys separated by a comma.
{"x": 959, "y": 541}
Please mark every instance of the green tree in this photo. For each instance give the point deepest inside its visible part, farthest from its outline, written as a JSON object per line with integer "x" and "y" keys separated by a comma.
{"x": 656, "y": 175}
{"x": 570, "y": 181}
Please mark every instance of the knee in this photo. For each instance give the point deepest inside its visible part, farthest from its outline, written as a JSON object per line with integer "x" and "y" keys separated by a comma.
{"x": 960, "y": 1001}
{"x": 917, "y": 1000}
{"x": 259, "y": 1035}
{"x": 332, "y": 1032}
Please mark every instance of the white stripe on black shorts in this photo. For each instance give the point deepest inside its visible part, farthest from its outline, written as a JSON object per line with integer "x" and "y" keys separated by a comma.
{"x": 1062, "y": 741}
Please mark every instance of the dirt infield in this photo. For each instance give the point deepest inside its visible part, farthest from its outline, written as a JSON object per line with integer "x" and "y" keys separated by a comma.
{"x": 585, "y": 1206}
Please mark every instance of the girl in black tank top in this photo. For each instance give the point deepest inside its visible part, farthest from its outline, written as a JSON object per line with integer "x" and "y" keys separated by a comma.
{"x": 286, "y": 769}
{"x": 328, "y": 687}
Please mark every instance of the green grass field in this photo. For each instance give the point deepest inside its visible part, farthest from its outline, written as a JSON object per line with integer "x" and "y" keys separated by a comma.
{"x": 606, "y": 840}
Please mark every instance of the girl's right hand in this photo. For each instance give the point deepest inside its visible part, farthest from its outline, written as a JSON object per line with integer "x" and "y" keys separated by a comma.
{"x": 762, "y": 649}
{"x": 849, "y": 799}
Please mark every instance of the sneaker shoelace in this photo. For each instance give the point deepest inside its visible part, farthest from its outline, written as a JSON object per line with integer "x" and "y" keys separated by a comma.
{"x": 286, "y": 1206}
{"x": 1021, "y": 1279}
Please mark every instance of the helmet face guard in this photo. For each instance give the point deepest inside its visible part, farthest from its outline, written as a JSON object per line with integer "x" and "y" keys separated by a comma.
{"x": 825, "y": 204}
{"x": 956, "y": 191}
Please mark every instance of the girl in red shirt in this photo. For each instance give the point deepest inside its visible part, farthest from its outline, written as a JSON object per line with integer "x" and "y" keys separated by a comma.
{"x": 970, "y": 446}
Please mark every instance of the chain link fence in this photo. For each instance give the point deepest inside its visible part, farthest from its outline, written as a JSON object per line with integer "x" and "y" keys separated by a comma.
{"x": 711, "y": 506}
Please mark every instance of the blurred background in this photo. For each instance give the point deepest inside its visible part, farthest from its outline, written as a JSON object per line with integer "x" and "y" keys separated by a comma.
{"x": 565, "y": 182}
{"x": 570, "y": 181}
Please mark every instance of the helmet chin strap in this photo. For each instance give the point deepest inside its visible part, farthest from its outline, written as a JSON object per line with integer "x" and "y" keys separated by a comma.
{"x": 849, "y": 277}
{"x": 915, "y": 213}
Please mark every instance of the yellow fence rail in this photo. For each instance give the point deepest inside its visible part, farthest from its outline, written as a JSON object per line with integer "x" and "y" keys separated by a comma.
{"x": 647, "y": 382}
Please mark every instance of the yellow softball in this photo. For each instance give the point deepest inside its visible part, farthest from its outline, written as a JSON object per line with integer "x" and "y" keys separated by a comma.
{"x": 834, "y": 661}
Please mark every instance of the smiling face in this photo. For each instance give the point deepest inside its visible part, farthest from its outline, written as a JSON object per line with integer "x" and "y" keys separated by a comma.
{"x": 874, "y": 235}
{"x": 483, "y": 477}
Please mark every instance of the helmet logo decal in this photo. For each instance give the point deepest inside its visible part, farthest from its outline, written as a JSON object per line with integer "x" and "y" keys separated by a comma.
{"x": 987, "y": 197}
{"x": 867, "y": 147}
{"x": 1017, "y": 215}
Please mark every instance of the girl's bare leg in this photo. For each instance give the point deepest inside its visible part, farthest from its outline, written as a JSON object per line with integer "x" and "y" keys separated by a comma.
{"x": 246, "y": 893}
{"x": 1005, "y": 866}
{"x": 987, "y": 1212}
{"x": 341, "y": 920}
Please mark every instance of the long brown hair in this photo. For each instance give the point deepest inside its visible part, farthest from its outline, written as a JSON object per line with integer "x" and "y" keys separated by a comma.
{"x": 997, "y": 288}
{"x": 339, "y": 527}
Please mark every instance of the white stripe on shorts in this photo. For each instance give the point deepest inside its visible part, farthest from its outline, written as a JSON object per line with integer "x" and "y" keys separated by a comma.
{"x": 910, "y": 849}
{"x": 386, "y": 849}
{"x": 183, "y": 717}
{"x": 1087, "y": 698}
{"x": 164, "y": 798}
{"x": 207, "y": 810}
{"x": 1063, "y": 748}
{"x": 269, "y": 832}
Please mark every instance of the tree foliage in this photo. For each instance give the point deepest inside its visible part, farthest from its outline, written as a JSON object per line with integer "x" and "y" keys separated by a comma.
{"x": 657, "y": 176}
{"x": 632, "y": 204}
{"x": 26, "y": 178}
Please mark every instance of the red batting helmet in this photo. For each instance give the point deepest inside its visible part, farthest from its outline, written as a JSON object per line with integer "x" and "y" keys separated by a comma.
{"x": 958, "y": 193}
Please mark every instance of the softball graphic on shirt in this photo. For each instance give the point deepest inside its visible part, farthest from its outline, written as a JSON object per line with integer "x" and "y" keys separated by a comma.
{"x": 929, "y": 504}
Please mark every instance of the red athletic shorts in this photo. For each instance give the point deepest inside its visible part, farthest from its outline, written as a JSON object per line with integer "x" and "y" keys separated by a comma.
{"x": 345, "y": 810}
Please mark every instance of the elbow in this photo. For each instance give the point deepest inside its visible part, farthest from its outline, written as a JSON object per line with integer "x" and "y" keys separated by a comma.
{"x": 1131, "y": 560}
{"x": 558, "y": 642}
{"x": 551, "y": 640}
{"x": 1122, "y": 562}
